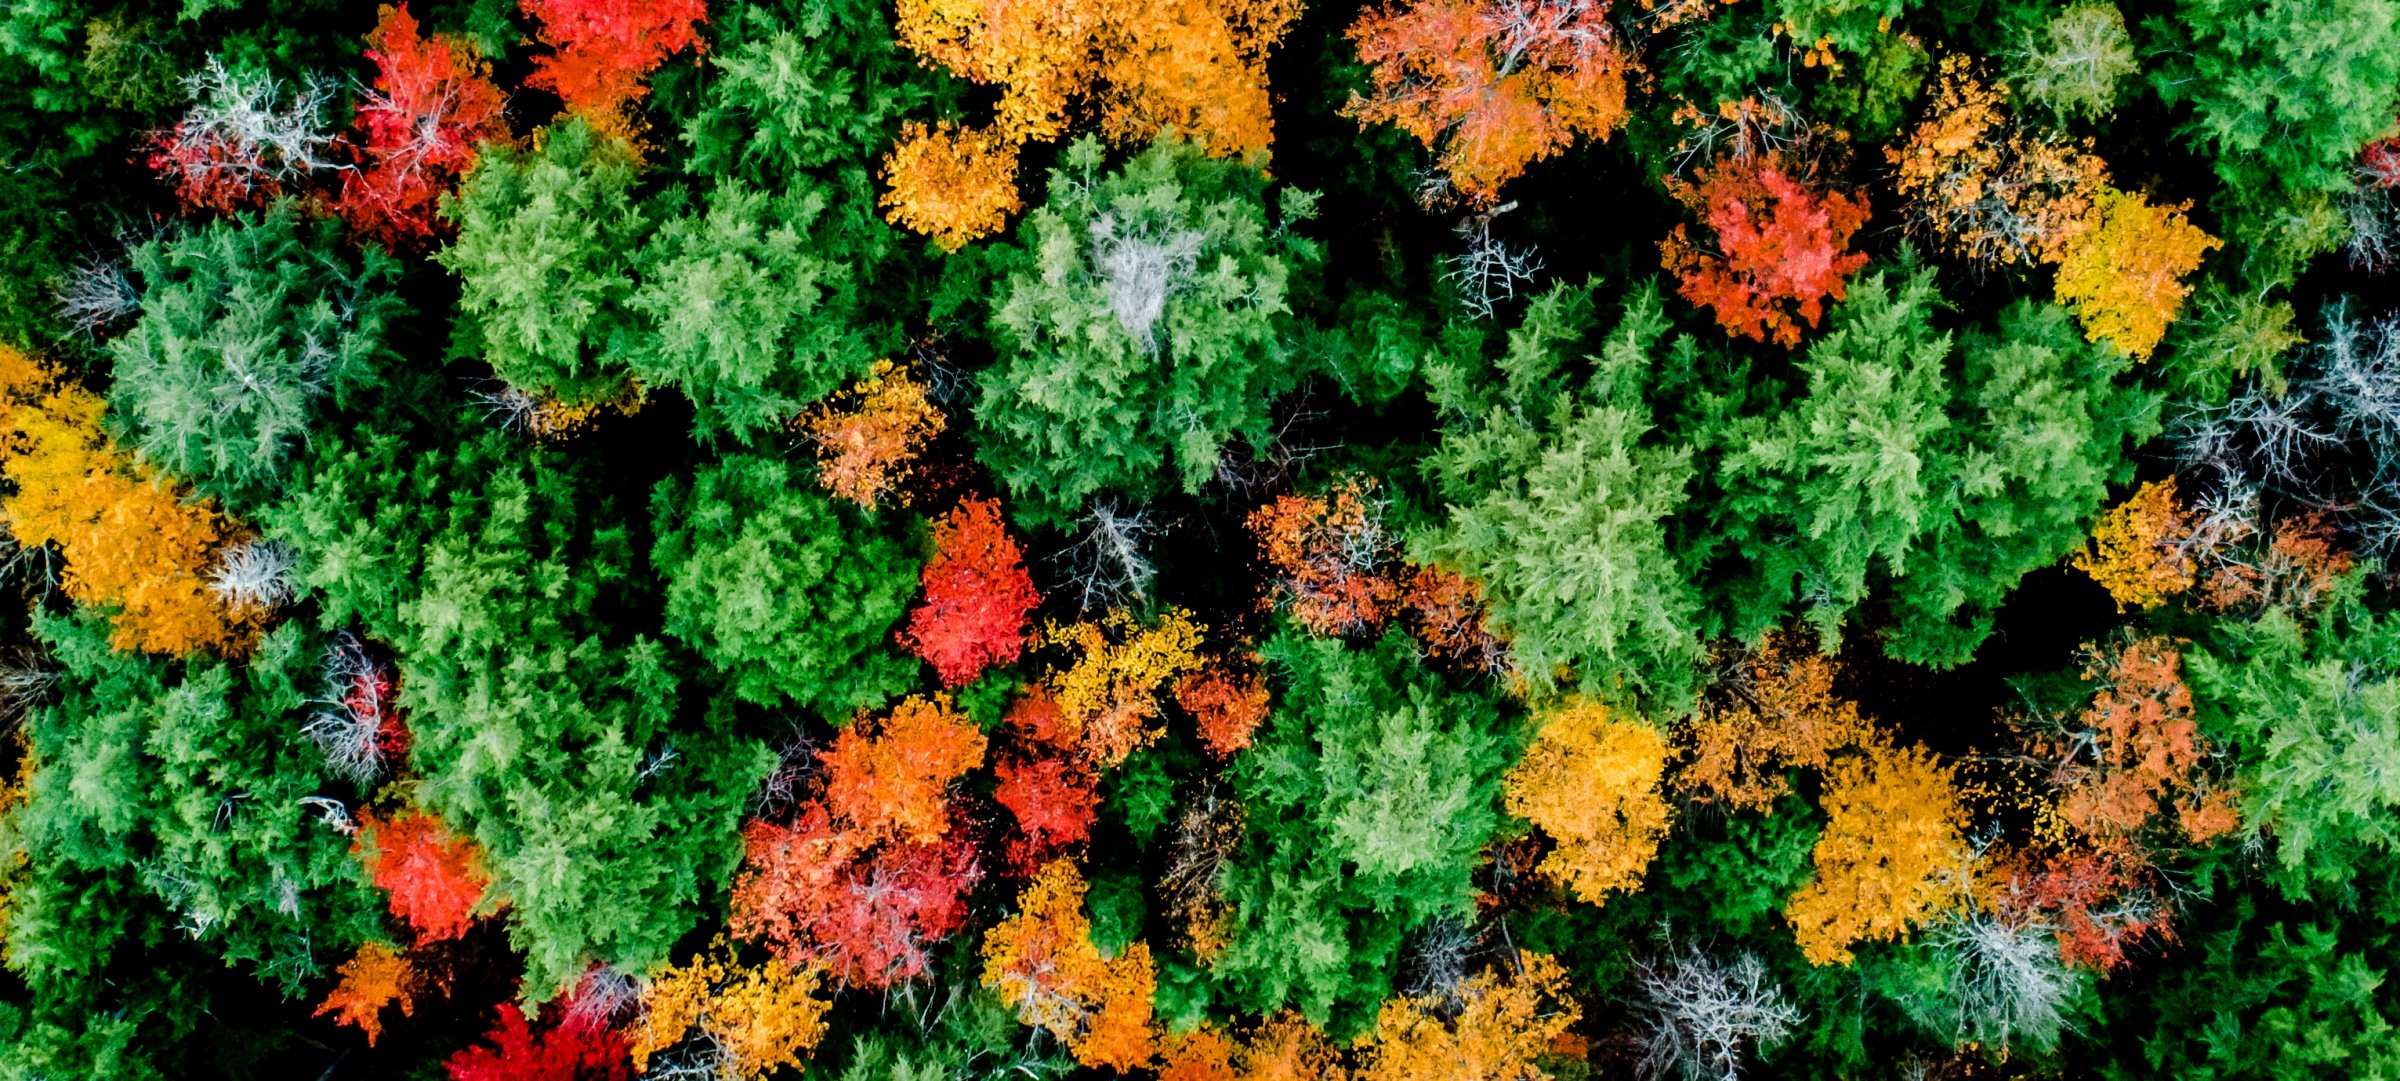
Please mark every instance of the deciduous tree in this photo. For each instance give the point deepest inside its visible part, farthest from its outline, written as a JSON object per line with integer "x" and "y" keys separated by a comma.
{"x": 888, "y": 777}
{"x": 372, "y": 979}
{"x": 868, "y": 440}
{"x": 1108, "y": 694}
{"x": 1591, "y": 782}
{"x": 1778, "y": 251}
{"x": 436, "y": 878}
{"x": 1043, "y": 963}
{"x": 602, "y": 50}
{"x": 2125, "y": 273}
{"x": 1328, "y": 554}
{"x": 978, "y": 596}
{"x": 432, "y": 107}
{"x": 1504, "y": 1020}
{"x": 1893, "y": 854}
{"x": 733, "y": 1021}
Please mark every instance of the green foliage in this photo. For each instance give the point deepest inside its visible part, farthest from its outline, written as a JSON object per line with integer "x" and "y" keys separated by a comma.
{"x": 246, "y": 326}
{"x": 1369, "y": 792}
{"x": 786, "y": 593}
{"x": 2227, "y": 336}
{"x": 1872, "y": 94}
{"x": 2285, "y": 92}
{"x": 1141, "y": 326}
{"x": 2074, "y": 61}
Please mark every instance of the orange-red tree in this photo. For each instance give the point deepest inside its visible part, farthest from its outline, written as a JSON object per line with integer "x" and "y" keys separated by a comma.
{"x": 1055, "y": 802}
{"x": 1044, "y": 965}
{"x": 978, "y": 596}
{"x": 435, "y": 878}
{"x": 432, "y": 107}
{"x": 816, "y": 891}
{"x": 889, "y": 777}
{"x": 1779, "y": 249}
{"x": 572, "y": 1046}
{"x": 375, "y": 977}
{"x": 1327, "y": 554}
{"x": 1226, "y": 706}
{"x": 1445, "y": 611}
{"x": 1492, "y": 86}
{"x": 602, "y": 50}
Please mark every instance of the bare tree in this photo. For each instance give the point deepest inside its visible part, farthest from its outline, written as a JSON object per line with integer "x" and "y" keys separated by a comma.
{"x": 247, "y": 134}
{"x": 97, "y": 296}
{"x": 1139, "y": 269}
{"x": 254, "y": 575}
{"x": 2007, "y": 987}
{"x": 26, "y": 680}
{"x": 1486, "y": 273}
{"x": 1704, "y": 1014}
{"x": 1106, "y": 567}
{"x": 348, "y": 724}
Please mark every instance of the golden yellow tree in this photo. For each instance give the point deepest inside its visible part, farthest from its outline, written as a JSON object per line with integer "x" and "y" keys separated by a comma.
{"x": 753, "y": 1020}
{"x": 2139, "y": 550}
{"x": 130, "y": 540}
{"x": 1510, "y": 1016}
{"x": 1987, "y": 189}
{"x": 1044, "y": 965}
{"x": 951, "y": 184}
{"x": 1108, "y": 697}
{"x": 1591, "y": 781}
{"x": 867, "y": 439}
{"x": 1892, "y": 855}
{"x": 1773, "y": 711}
{"x": 2124, "y": 273}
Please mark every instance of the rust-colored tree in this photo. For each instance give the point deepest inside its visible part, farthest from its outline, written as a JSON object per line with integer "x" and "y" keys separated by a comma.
{"x": 817, "y": 892}
{"x": 1771, "y": 711}
{"x": 602, "y": 50}
{"x": 432, "y": 107}
{"x": 1591, "y": 782}
{"x": 1445, "y": 610}
{"x": 1489, "y": 1028}
{"x": 375, "y": 977}
{"x": 978, "y": 596}
{"x": 1327, "y": 555}
{"x": 2133, "y": 766}
{"x": 867, "y": 440}
{"x": 1892, "y": 856}
{"x": 435, "y": 879}
{"x": 1492, "y": 86}
{"x": 1225, "y": 705}
{"x": 1045, "y": 967}
{"x": 1778, "y": 250}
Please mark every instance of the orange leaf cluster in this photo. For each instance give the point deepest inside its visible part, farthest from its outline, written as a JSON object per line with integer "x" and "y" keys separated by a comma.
{"x": 1227, "y": 706}
{"x": 1892, "y": 854}
{"x": 1444, "y": 609}
{"x": 1591, "y": 782}
{"x": 1043, "y": 964}
{"x": 432, "y": 106}
{"x": 1773, "y": 711}
{"x": 1108, "y": 697}
{"x": 889, "y": 778}
{"x": 1492, "y": 86}
{"x": 2134, "y": 759}
{"x": 373, "y": 978}
{"x": 949, "y": 183}
{"x": 435, "y": 878}
{"x": 977, "y": 595}
{"x": 2124, "y": 273}
{"x": 1779, "y": 247}
{"x": 1510, "y": 1017}
{"x": 601, "y": 50}
{"x": 866, "y": 444}
{"x": 1986, "y": 188}
{"x": 2140, "y": 548}
{"x": 130, "y": 541}
{"x": 1284, "y": 1048}
{"x": 2299, "y": 565}
{"x": 2095, "y": 902}
{"x": 1327, "y": 553}
{"x": 759, "y": 1019}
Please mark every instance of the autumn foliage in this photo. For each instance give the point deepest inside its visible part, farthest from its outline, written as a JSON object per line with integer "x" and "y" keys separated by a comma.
{"x": 2124, "y": 274}
{"x": 887, "y": 777}
{"x": 1591, "y": 782}
{"x": 435, "y": 878}
{"x": 1043, "y": 963}
{"x": 1108, "y": 694}
{"x": 1492, "y": 86}
{"x": 375, "y": 977}
{"x": 867, "y": 440}
{"x": 1893, "y": 854}
{"x": 949, "y": 183}
{"x": 602, "y": 50}
{"x": 1445, "y": 611}
{"x": 1054, "y": 802}
{"x": 432, "y": 107}
{"x": 745, "y": 1021}
{"x": 1327, "y": 554}
{"x": 1779, "y": 248}
{"x": 131, "y": 542}
{"x": 1987, "y": 188}
{"x": 575, "y": 1047}
{"x": 1773, "y": 711}
{"x": 2139, "y": 550}
{"x": 1226, "y": 705}
{"x": 978, "y": 596}
{"x": 1509, "y": 1017}
{"x": 2133, "y": 762}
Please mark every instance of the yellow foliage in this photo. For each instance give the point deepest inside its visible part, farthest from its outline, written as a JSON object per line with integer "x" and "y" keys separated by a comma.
{"x": 131, "y": 543}
{"x": 1986, "y": 188}
{"x": 1287, "y": 1048}
{"x": 1108, "y": 698}
{"x": 1197, "y": 66}
{"x": 1592, "y": 783}
{"x": 867, "y": 443}
{"x": 761, "y": 1018}
{"x": 2124, "y": 274}
{"x": 1044, "y": 965}
{"x": 1775, "y": 711}
{"x": 1039, "y": 52}
{"x": 2138, "y": 548}
{"x": 1509, "y": 1018}
{"x": 950, "y": 183}
{"x": 1891, "y": 857}
{"x": 375, "y": 977}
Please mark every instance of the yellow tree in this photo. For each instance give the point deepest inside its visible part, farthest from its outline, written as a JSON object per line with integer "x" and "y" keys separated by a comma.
{"x": 748, "y": 1021}
{"x": 1108, "y": 696}
{"x": 1892, "y": 855}
{"x": 1044, "y": 965}
{"x": 1591, "y": 781}
{"x": 951, "y": 184}
{"x": 1510, "y": 1016}
{"x": 2140, "y": 548}
{"x": 1773, "y": 711}
{"x": 375, "y": 977}
{"x": 2124, "y": 273}
{"x": 1985, "y": 188}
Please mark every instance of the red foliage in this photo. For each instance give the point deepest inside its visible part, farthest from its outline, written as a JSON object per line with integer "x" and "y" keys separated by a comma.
{"x": 435, "y": 878}
{"x": 1227, "y": 706}
{"x": 371, "y": 688}
{"x": 977, "y": 595}
{"x": 1036, "y": 718}
{"x": 1055, "y": 802}
{"x": 575, "y": 1048}
{"x": 432, "y": 106}
{"x": 1779, "y": 247}
{"x": 819, "y": 891}
{"x": 602, "y": 49}
{"x": 2096, "y": 903}
{"x": 2379, "y": 164}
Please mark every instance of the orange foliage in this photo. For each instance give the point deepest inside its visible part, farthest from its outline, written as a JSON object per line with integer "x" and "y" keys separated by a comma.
{"x": 2134, "y": 759}
{"x": 1444, "y": 609}
{"x": 1197, "y": 66}
{"x": 1039, "y": 54}
{"x": 601, "y": 50}
{"x": 435, "y": 879}
{"x": 2096, "y": 904}
{"x": 865, "y": 446}
{"x": 432, "y": 106}
{"x": 889, "y": 777}
{"x": 1227, "y": 706}
{"x": 1510, "y": 1017}
{"x": 2298, "y": 567}
{"x": 977, "y": 595}
{"x": 1108, "y": 698}
{"x": 130, "y": 542}
{"x": 1778, "y": 252}
{"x": 1492, "y": 86}
{"x": 1045, "y": 967}
{"x": 2124, "y": 274}
{"x": 758, "y": 1018}
{"x": 1891, "y": 856}
{"x": 1326, "y": 554}
{"x": 950, "y": 183}
{"x": 1203, "y": 1054}
{"x": 1773, "y": 711}
{"x": 2139, "y": 550}
{"x": 1591, "y": 782}
{"x": 1986, "y": 188}
{"x": 1287, "y": 1048}
{"x": 817, "y": 891}
{"x": 373, "y": 978}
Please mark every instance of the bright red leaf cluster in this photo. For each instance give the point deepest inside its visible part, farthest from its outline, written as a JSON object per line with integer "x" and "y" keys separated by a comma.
{"x": 977, "y": 595}
{"x": 422, "y": 125}
{"x": 434, "y": 877}
{"x": 1779, "y": 247}
{"x": 576, "y": 1047}
{"x": 1225, "y": 705}
{"x": 603, "y": 49}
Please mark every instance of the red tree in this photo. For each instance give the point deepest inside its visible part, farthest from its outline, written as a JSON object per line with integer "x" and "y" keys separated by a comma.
{"x": 817, "y": 890}
{"x": 575, "y": 1048}
{"x": 603, "y": 49}
{"x": 1779, "y": 247}
{"x": 432, "y": 107}
{"x": 434, "y": 878}
{"x": 1054, "y": 802}
{"x": 1227, "y": 706}
{"x": 977, "y": 595}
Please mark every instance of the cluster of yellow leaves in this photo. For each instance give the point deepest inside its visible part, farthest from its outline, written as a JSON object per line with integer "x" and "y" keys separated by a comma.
{"x": 761, "y": 1018}
{"x": 1197, "y": 67}
{"x": 1892, "y": 855}
{"x": 1510, "y": 1017}
{"x": 1284, "y": 1048}
{"x": 131, "y": 542}
{"x": 1986, "y": 188}
{"x": 2138, "y": 551}
{"x": 2124, "y": 273}
{"x": 865, "y": 444}
{"x": 1591, "y": 782}
{"x": 553, "y": 419}
{"x": 1108, "y": 697}
{"x": 889, "y": 777}
{"x": 375, "y": 977}
{"x": 1775, "y": 712}
{"x": 1043, "y": 964}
